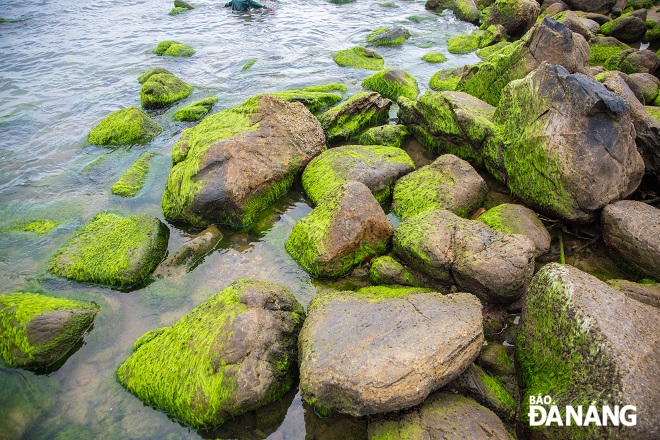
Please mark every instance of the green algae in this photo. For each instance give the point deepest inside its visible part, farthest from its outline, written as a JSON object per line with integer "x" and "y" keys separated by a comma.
{"x": 444, "y": 80}
{"x": 494, "y": 218}
{"x": 325, "y": 88}
{"x": 392, "y": 83}
{"x": 37, "y": 226}
{"x": 387, "y": 265}
{"x": 177, "y": 11}
{"x": 419, "y": 191}
{"x": 619, "y": 61}
{"x": 388, "y": 5}
{"x": 485, "y": 52}
{"x": 381, "y": 293}
{"x": 313, "y": 100}
{"x": 499, "y": 392}
{"x": 373, "y": 37}
{"x": 113, "y": 250}
{"x": 132, "y": 180}
{"x": 388, "y": 135}
{"x": 127, "y": 126}
{"x": 18, "y": 309}
{"x": 360, "y": 58}
{"x": 340, "y": 123}
{"x": 196, "y": 111}
{"x": 173, "y": 49}
{"x": 249, "y": 63}
{"x": 653, "y": 111}
{"x": 434, "y": 57}
{"x": 600, "y": 53}
{"x": 162, "y": 89}
{"x": 146, "y": 75}
{"x": 462, "y": 44}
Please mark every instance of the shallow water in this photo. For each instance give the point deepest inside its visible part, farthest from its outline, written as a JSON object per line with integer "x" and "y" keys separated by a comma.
{"x": 64, "y": 66}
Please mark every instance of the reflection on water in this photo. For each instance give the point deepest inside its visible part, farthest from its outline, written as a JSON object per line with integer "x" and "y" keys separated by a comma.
{"x": 66, "y": 65}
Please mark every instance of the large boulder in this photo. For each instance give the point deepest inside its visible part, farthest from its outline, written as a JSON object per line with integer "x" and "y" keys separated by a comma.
{"x": 347, "y": 228}
{"x": 551, "y": 158}
{"x": 237, "y": 161}
{"x": 628, "y": 28}
{"x": 600, "y": 6}
{"x": 38, "y": 330}
{"x": 518, "y": 219}
{"x": 448, "y": 183}
{"x": 493, "y": 265}
{"x": 392, "y": 82}
{"x": 125, "y": 127}
{"x": 359, "y": 112}
{"x": 517, "y": 16}
{"x": 574, "y": 345}
{"x": 376, "y": 166}
{"x": 113, "y": 250}
{"x": 385, "y": 349}
{"x": 548, "y": 41}
{"x": 631, "y": 231}
{"x": 441, "y": 416}
{"x": 232, "y": 354}
{"x": 633, "y": 61}
{"x": 162, "y": 89}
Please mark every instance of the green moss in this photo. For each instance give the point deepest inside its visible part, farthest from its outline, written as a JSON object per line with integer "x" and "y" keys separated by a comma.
{"x": 653, "y": 111}
{"x": 360, "y": 58}
{"x": 146, "y": 75}
{"x": 132, "y": 180}
{"x": 388, "y": 135}
{"x": 38, "y": 226}
{"x": 313, "y": 100}
{"x": 376, "y": 38}
{"x": 434, "y": 57}
{"x": 493, "y": 218}
{"x": 421, "y": 191}
{"x": 325, "y": 88}
{"x": 498, "y": 391}
{"x": 249, "y": 63}
{"x": 113, "y": 250}
{"x": 385, "y": 270}
{"x": 381, "y": 293}
{"x": 173, "y": 49}
{"x": 336, "y": 166}
{"x": 388, "y": 5}
{"x": 600, "y": 53}
{"x": 148, "y": 337}
{"x": 18, "y": 309}
{"x": 162, "y": 89}
{"x": 197, "y": 110}
{"x": 392, "y": 83}
{"x": 462, "y": 44}
{"x": 486, "y": 52}
{"x": 341, "y": 122}
{"x": 640, "y": 4}
{"x": 177, "y": 11}
{"x": 420, "y": 18}
{"x": 443, "y": 80}
{"x": 124, "y": 127}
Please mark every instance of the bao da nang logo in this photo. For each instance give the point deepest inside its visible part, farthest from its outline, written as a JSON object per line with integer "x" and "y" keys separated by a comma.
{"x": 544, "y": 412}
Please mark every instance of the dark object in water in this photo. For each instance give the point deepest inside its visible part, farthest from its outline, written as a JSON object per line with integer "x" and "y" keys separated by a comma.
{"x": 243, "y": 5}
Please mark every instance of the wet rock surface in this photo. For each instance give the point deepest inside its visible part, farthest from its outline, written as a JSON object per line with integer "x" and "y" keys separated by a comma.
{"x": 186, "y": 255}
{"x": 358, "y": 113}
{"x": 518, "y": 219}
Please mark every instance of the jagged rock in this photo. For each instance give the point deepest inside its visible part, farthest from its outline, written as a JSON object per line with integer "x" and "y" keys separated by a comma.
{"x": 359, "y": 112}
{"x": 486, "y": 390}
{"x": 647, "y": 292}
{"x": 518, "y": 219}
{"x": 517, "y": 16}
{"x": 186, "y": 255}
{"x": 384, "y": 349}
{"x": 591, "y": 25}
{"x": 628, "y": 28}
{"x": 573, "y": 22}
{"x": 631, "y": 231}
{"x": 594, "y": 360}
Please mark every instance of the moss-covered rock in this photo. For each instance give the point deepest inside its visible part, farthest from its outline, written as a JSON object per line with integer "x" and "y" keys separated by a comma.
{"x": 516, "y": 16}
{"x": 183, "y": 4}
{"x": 388, "y": 36}
{"x": 237, "y": 161}
{"x": 495, "y": 359}
{"x": 127, "y": 126}
{"x": 518, "y": 219}
{"x": 359, "y": 112}
{"x": 162, "y": 89}
{"x": 132, "y": 180}
{"x": 196, "y": 111}
{"x": 434, "y": 57}
{"x": 347, "y": 228}
{"x": 359, "y": 57}
{"x": 448, "y": 183}
{"x": 486, "y": 52}
{"x": 481, "y": 38}
{"x": 376, "y": 166}
{"x": 446, "y": 79}
{"x": 486, "y": 390}
{"x": 602, "y": 48}
{"x": 313, "y": 98}
{"x": 177, "y": 11}
{"x": 392, "y": 83}
{"x": 37, "y": 330}
{"x": 629, "y": 28}
{"x": 466, "y": 10}
{"x": 173, "y": 49}
{"x": 113, "y": 250}
{"x": 249, "y": 63}
{"x": 386, "y": 270}
{"x": 146, "y": 75}
{"x": 634, "y": 61}
{"x": 232, "y": 354}
{"x": 647, "y": 84}
{"x": 387, "y": 135}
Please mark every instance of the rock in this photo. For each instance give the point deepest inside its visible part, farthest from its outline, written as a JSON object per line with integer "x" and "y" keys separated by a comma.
{"x": 387, "y": 135}
{"x": 465, "y": 10}
{"x": 359, "y": 57}
{"x": 385, "y": 349}
{"x": 652, "y": 35}
{"x": 628, "y": 28}
{"x": 594, "y": 71}
{"x": 434, "y": 57}
{"x": 392, "y": 83}
{"x": 591, "y": 25}
{"x": 186, "y": 255}
{"x": 162, "y": 89}
{"x": 359, "y": 112}
{"x": 603, "y": 48}
{"x": 610, "y": 76}
{"x": 347, "y": 228}
{"x": 486, "y": 52}
{"x": 646, "y": 292}
{"x": 113, "y": 250}
{"x": 182, "y": 4}
{"x": 448, "y": 183}
{"x": 173, "y": 49}
{"x": 177, "y": 11}
{"x": 386, "y": 270}
{"x": 618, "y": 7}
{"x": 495, "y": 359}
{"x": 634, "y": 61}
{"x": 594, "y": 360}
{"x": 462, "y": 44}
{"x": 38, "y": 330}
{"x": 647, "y": 84}
{"x": 573, "y": 22}
{"x": 561, "y": 169}
{"x": 493, "y": 265}
{"x": 313, "y": 98}
{"x": 486, "y": 390}
{"x": 197, "y": 110}
{"x": 388, "y": 36}
{"x": 631, "y": 231}
{"x": 132, "y": 180}
{"x": 232, "y": 354}
{"x": 548, "y": 41}
{"x": 127, "y": 126}
{"x": 442, "y": 416}
{"x": 598, "y": 18}
{"x": 376, "y": 166}
{"x": 237, "y": 161}
{"x": 149, "y": 73}
{"x": 517, "y": 16}
{"x": 455, "y": 123}
{"x": 446, "y": 79}
{"x": 600, "y": 6}
{"x": 518, "y": 219}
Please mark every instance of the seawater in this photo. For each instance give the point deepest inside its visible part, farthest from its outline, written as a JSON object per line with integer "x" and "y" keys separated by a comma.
{"x": 64, "y": 66}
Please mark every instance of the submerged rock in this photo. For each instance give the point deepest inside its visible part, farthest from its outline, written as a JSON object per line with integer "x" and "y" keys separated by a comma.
{"x": 434, "y": 57}
{"x": 448, "y": 183}
{"x": 388, "y": 36}
{"x": 132, "y": 180}
{"x": 385, "y": 349}
{"x": 492, "y": 265}
{"x": 113, "y": 250}
{"x": 392, "y": 83}
{"x": 347, "y": 228}
{"x": 197, "y": 110}
{"x": 127, "y": 126}
{"x": 631, "y": 231}
{"x": 594, "y": 361}
{"x": 173, "y": 49}
{"x": 38, "y": 330}
{"x": 359, "y": 57}
{"x": 234, "y": 353}
{"x": 359, "y": 112}
{"x": 237, "y": 161}
{"x": 518, "y": 219}
{"x": 387, "y": 135}
{"x": 162, "y": 89}
{"x": 376, "y": 166}
{"x": 186, "y": 255}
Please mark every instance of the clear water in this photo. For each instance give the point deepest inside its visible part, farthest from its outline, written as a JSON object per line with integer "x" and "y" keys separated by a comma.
{"x": 65, "y": 65}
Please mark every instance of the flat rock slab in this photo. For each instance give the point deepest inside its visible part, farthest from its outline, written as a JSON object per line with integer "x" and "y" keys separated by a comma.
{"x": 384, "y": 349}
